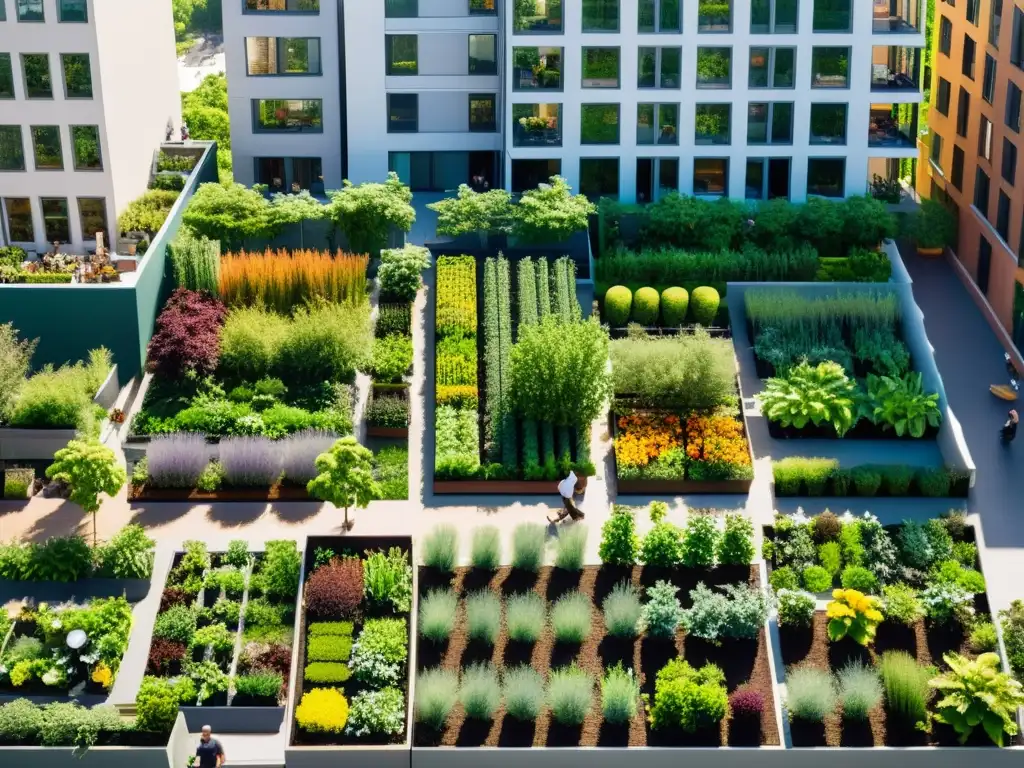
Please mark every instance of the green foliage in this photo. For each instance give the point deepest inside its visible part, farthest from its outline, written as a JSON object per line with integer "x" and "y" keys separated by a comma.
{"x": 366, "y": 213}
{"x": 157, "y": 704}
{"x": 528, "y": 540}
{"x": 380, "y": 653}
{"x": 387, "y": 579}
{"x": 437, "y": 614}
{"x": 619, "y": 542}
{"x": 570, "y": 694}
{"x": 784, "y": 578}
{"x": 688, "y": 698}
{"x": 859, "y": 578}
{"x": 326, "y": 673}
{"x": 902, "y": 604}
{"x": 618, "y": 305}
{"x": 830, "y": 557}
{"x": 550, "y": 213}
{"x": 279, "y": 570}
{"x": 663, "y": 544}
{"x": 488, "y": 212}
{"x": 260, "y": 685}
{"x": 89, "y": 469}
{"x": 975, "y": 692}
{"x": 571, "y": 618}
{"x": 796, "y": 609}
{"x": 230, "y": 213}
{"x": 60, "y": 398}
{"x": 485, "y": 551}
{"x": 345, "y": 476}
{"x": 736, "y": 545}
{"x": 620, "y": 695}
{"x": 737, "y": 611}
{"x": 860, "y": 690}
{"x": 523, "y": 689}
{"x": 796, "y": 473}
{"x": 810, "y": 694}
{"x": 483, "y": 616}
{"x": 177, "y": 623}
{"x": 817, "y": 579}
{"x": 1012, "y": 622}
{"x": 700, "y": 541}
{"x": 570, "y": 548}
{"x": 704, "y": 303}
{"x": 663, "y": 612}
{"x": 818, "y": 395}
{"x": 479, "y": 692}
{"x": 195, "y": 262}
{"x": 15, "y": 356}
{"x": 983, "y": 638}
{"x": 906, "y": 687}
{"x": 851, "y": 544}
{"x": 674, "y": 304}
{"x": 399, "y": 272}
{"x": 148, "y": 212}
{"x": 392, "y": 359}
{"x": 901, "y": 404}
{"x": 932, "y": 226}
{"x": 645, "y": 307}
{"x": 622, "y": 610}
{"x": 524, "y": 617}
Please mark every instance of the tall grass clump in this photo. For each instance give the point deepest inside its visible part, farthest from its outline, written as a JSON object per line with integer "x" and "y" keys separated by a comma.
{"x": 570, "y": 618}
{"x": 528, "y": 540}
{"x": 249, "y": 342}
{"x": 860, "y": 690}
{"x": 485, "y": 551}
{"x": 790, "y": 311}
{"x": 195, "y": 262}
{"x": 326, "y": 342}
{"x": 524, "y": 692}
{"x": 667, "y": 266}
{"x": 570, "y": 694}
{"x": 810, "y": 694}
{"x": 437, "y": 690}
{"x": 620, "y": 694}
{"x": 283, "y": 280}
{"x": 437, "y": 614}
{"x": 622, "y": 610}
{"x": 483, "y": 616}
{"x": 524, "y": 617}
{"x": 571, "y": 547}
{"x": 906, "y": 687}
{"x": 480, "y": 693}
{"x": 441, "y": 547}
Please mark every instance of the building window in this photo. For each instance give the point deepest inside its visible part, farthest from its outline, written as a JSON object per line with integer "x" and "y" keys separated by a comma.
{"x": 972, "y": 11}
{"x": 29, "y": 10}
{"x": 1017, "y": 41}
{"x": 712, "y": 124}
{"x": 3, "y": 12}
{"x": 985, "y": 139}
{"x": 659, "y": 16}
{"x": 6, "y": 77}
{"x": 963, "y": 112}
{"x": 600, "y": 15}
{"x": 482, "y": 111}
{"x": 828, "y": 124}
{"x": 483, "y": 54}
{"x": 288, "y": 116}
{"x": 36, "y": 67}
{"x": 832, "y": 16}
{"x": 967, "y": 65}
{"x": 92, "y": 211}
{"x": 527, "y": 174}
{"x": 12, "y": 151}
{"x": 1009, "y": 162}
{"x": 401, "y": 9}
{"x": 714, "y": 67}
{"x": 536, "y": 125}
{"x": 659, "y": 67}
{"x": 1012, "y": 118}
{"x": 936, "y": 153}
{"x": 1003, "y": 216}
{"x": 830, "y": 67}
{"x": 988, "y": 84}
{"x": 290, "y": 174}
{"x": 995, "y": 22}
{"x": 599, "y": 177}
{"x": 403, "y": 112}
{"x": 85, "y": 143}
{"x": 73, "y": 11}
{"x": 945, "y": 35}
{"x": 711, "y": 176}
{"x": 46, "y": 145}
{"x": 402, "y": 54}
{"x": 773, "y": 16}
{"x": 772, "y": 67}
{"x": 714, "y": 15}
{"x": 482, "y": 8}
{"x": 77, "y": 75}
{"x": 536, "y": 16}
{"x": 288, "y": 6}
{"x": 657, "y": 124}
{"x": 942, "y": 96}
{"x": 981, "y": 190}
{"x": 599, "y": 124}
{"x": 282, "y": 55}
{"x": 956, "y": 171}
{"x": 664, "y": 169}
{"x": 826, "y": 176}
{"x": 600, "y": 67}
{"x": 767, "y": 178}
{"x": 536, "y": 69}
{"x": 56, "y": 226}
{"x": 19, "y": 220}
{"x": 770, "y": 123}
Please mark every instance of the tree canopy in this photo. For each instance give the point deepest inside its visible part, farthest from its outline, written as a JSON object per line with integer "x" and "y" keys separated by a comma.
{"x": 345, "y": 476}
{"x": 365, "y": 213}
{"x": 89, "y": 468}
{"x": 470, "y": 211}
{"x": 230, "y": 213}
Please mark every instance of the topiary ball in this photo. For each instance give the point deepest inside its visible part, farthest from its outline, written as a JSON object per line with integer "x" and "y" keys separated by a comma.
{"x": 645, "y": 306}
{"x": 674, "y": 303}
{"x": 618, "y": 302}
{"x": 704, "y": 303}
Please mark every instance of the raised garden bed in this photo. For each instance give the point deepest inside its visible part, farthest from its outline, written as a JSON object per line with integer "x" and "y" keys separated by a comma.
{"x": 381, "y": 423}
{"x": 803, "y": 476}
{"x": 277, "y": 492}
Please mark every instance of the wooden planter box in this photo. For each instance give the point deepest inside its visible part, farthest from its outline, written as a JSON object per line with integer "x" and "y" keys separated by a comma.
{"x": 517, "y": 487}
{"x": 274, "y": 493}
{"x": 389, "y": 390}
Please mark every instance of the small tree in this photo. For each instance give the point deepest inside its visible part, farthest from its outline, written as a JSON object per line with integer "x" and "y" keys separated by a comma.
{"x": 89, "y": 468}
{"x": 345, "y": 477}
{"x": 550, "y": 213}
{"x": 148, "y": 212}
{"x": 296, "y": 209}
{"x": 400, "y": 270}
{"x": 488, "y": 213}
{"x": 366, "y": 213}
{"x": 230, "y": 213}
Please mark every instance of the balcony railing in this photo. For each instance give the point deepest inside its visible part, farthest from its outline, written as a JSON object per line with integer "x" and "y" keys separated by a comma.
{"x": 894, "y": 68}
{"x": 896, "y": 17}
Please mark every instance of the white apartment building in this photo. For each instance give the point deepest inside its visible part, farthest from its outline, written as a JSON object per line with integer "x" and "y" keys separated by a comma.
{"x": 626, "y": 98}
{"x": 87, "y": 88}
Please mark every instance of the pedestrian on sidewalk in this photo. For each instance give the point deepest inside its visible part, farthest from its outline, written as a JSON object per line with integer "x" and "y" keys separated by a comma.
{"x": 210, "y": 753}
{"x": 567, "y": 488}
{"x": 1010, "y": 427}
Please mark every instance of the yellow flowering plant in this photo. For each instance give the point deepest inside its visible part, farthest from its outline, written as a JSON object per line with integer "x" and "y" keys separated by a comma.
{"x": 853, "y": 614}
{"x": 102, "y": 674}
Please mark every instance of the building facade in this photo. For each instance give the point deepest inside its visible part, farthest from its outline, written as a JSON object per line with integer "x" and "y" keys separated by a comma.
{"x": 85, "y": 100}
{"x": 975, "y": 125}
{"x": 625, "y": 98}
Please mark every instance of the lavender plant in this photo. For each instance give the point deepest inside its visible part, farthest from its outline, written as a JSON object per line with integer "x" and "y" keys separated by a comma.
{"x": 250, "y": 461}
{"x": 177, "y": 460}
{"x": 298, "y": 457}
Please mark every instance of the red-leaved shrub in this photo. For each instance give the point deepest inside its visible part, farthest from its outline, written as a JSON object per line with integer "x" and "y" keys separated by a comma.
{"x": 165, "y": 657}
{"x": 745, "y": 702}
{"x": 336, "y": 589}
{"x": 187, "y": 335}
{"x": 257, "y": 656}
{"x": 171, "y": 597}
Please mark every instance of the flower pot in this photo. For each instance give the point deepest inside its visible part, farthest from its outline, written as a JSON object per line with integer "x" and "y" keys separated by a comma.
{"x": 930, "y": 253}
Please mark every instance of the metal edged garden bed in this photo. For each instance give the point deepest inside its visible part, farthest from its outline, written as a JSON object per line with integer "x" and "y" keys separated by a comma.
{"x": 133, "y": 590}
{"x": 274, "y": 493}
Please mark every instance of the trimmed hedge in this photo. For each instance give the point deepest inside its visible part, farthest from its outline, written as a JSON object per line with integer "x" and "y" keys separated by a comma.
{"x": 674, "y": 304}
{"x": 326, "y": 672}
{"x": 618, "y": 304}
{"x": 800, "y": 476}
{"x": 645, "y": 306}
{"x": 704, "y": 305}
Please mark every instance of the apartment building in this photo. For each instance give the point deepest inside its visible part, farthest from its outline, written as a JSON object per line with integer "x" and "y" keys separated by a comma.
{"x": 975, "y": 125}
{"x": 87, "y": 88}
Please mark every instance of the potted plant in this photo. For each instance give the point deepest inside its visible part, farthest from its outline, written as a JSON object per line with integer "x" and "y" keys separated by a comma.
{"x": 932, "y": 227}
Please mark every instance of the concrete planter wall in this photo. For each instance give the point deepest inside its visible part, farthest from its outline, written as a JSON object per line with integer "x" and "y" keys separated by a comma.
{"x": 133, "y": 590}
{"x": 234, "y": 719}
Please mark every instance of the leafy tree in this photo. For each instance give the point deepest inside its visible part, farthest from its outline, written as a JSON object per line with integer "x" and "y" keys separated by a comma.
{"x": 484, "y": 212}
{"x": 367, "y": 212}
{"x": 550, "y": 213}
{"x": 400, "y": 270}
{"x": 89, "y": 468}
{"x": 296, "y": 209}
{"x": 230, "y": 213}
{"x": 208, "y": 124}
{"x": 148, "y": 212}
{"x": 345, "y": 477}
{"x": 211, "y": 92}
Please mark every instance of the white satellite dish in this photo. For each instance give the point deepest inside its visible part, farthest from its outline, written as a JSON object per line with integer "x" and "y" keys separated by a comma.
{"x": 76, "y": 638}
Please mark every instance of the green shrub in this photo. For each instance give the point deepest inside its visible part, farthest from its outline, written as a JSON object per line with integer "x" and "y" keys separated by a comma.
{"x": 859, "y": 578}
{"x": 524, "y": 617}
{"x": 392, "y": 358}
{"x": 704, "y": 303}
{"x": 688, "y": 698}
{"x": 1012, "y": 622}
{"x": 261, "y": 685}
{"x": 620, "y": 695}
{"x": 570, "y": 547}
{"x": 976, "y": 692}
{"x": 483, "y": 616}
{"x": 21, "y": 722}
{"x": 902, "y": 604}
{"x": 851, "y": 543}
{"x": 897, "y": 479}
{"x": 485, "y": 551}
{"x": 437, "y": 690}
{"x": 736, "y": 545}
{"x": 17, "y": 483}
{"x": 318, "y": 628}
{"x": 380, "y": 653}
{"x": 663, "y": 544}
{"x": 817, "y": 579}
{"x": 618, "y": 304}
{"x": 619, "y": 542}
{"x": 524, "y": 692}
{"x": 674, "y": 303}
{"x": 663, "y": 612}
{"x": 810, "y": 694}
{"x": 528, "y": 541}
{"x": 983, "y": 637}
{"x": 479, "y": 692}
{"x": 570, "y": 695}
{"x": 796, "y": 609}
{"x": 934, "y": 482}
{"x": 437, "y": 614}
{"x": 377, "y": 713}
{"x": 645, "y": 307}
{"x": 830, "y": 557}
{"x": 906, "y": 687}
{"x": 329, "y": 648}
{"x": 177, "y": 623}
{"x": 860, "y": 690}
{"x": 440, "y": 548}
{"x": 571, "y": 618}
{"x": 622, "y": 610}
{"x": 784, "y": 578}
{"x": 867, "y": 481}
{"x": 700, "y": 541}
{"x": 326, "y": 673}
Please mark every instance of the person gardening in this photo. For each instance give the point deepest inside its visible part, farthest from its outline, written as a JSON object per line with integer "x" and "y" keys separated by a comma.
{"x": 567, "y": 488}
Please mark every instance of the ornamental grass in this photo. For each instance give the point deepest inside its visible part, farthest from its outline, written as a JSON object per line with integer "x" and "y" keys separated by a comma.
{"x": 281, "y": 280}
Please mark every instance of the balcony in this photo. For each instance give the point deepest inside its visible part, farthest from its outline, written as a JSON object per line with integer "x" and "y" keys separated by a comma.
{"x": 900, "y": 17}
{"x": 895, "y": 69}
{"x": 893, "y": 126}
{"x": 536, "y": 69}
{"x": 536, "y": 125}
{"x": 530, "y": 16}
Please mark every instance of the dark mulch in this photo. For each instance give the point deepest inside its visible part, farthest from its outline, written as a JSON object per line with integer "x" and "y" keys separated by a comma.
{"x": 742, "y": 662}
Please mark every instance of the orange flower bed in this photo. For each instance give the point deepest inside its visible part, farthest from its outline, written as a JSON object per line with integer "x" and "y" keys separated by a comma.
{"x": 643, "y": 437}
{"x": 716, "y": 439}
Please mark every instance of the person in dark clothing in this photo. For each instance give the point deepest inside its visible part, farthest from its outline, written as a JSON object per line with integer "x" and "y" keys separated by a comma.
{"x": 210, "y": 752}
{"x": 1010, "y": 427}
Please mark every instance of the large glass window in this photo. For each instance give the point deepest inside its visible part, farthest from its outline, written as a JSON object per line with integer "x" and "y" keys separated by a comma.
{"x": 6, "y": 77}
{"x": 714, "y": 67}
{"x": 600, "y": 15}
{"x": 527, "y": 174}
{"x": 600, "y": 67}
{"x": 77, "y": 75}
{"x": 483, "y": 54}
{"x": 663, "y": 170}
{"x": 659, "y": 16}
{"x": 282, "y": 55}
{"x": 711, "y": 176}
{"x": 401, "y": 9}
{"x": 482, "y": 8}
{"x": 767, "y": 178}
{"x": 402, "y": 54}
{"x": 47, "y": 149}
{"x": 659, "y": 67}
{"x": 85, "y": 143}
{"x": 830, "y": 67}
{"x": 29, "y": 10}
{"x": 73, "y": 11}
{"x": 1012, "y": 114}
{"x": 537, "y": 16}
{"x": 599, "y": 177}
{"x": 712, "y": 124}
{"x": 770, "y": 123}
{"x": 536, "y": 125}
{"x": 943, "y": 96}
{"x": 826, "y": 176}
{"x": 828, "y": 124}
{"x": 403, "y": 112}
{"x": 773, "y": 16}
{"x": 36, "y": 67}
{"x": 55, "y": 219}
{"x": 995, "y": 22}
{"x": 657, "y": 123}
{"x": 536, "y": 69}
{"x": 599, "y": 124}
{"x": 291, "y": 6}
{"x": 832, "y": 16}
{"x": 288, "y": 115}
{"x": 92, "y": 211}
{"x": 290, "y": 174}
{"x": 12, "y": 151}
{"x": 714, "y": 15}
{"x": 772, "y": 67}
{"x": 19, "y": 220}
{"x": 482, "y": 110}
